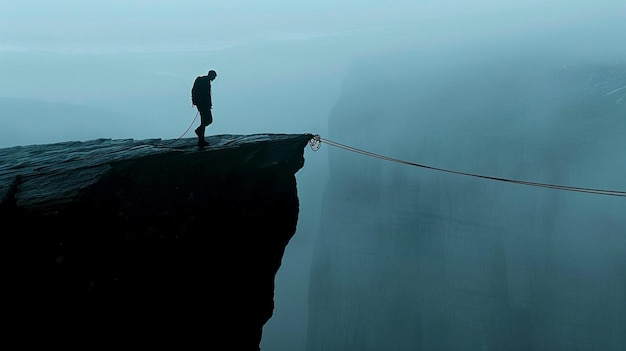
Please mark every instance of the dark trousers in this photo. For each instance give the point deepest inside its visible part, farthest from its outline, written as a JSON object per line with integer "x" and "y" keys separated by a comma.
{"x": 206, "y": 118}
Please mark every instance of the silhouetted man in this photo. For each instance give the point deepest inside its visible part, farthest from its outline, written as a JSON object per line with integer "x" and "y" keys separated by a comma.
{"x": 201, "y": 98}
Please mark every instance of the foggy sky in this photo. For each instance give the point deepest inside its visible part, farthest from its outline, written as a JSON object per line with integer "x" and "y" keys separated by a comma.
{"x": 123, "y": 69}
{"x": 116, "y": 25}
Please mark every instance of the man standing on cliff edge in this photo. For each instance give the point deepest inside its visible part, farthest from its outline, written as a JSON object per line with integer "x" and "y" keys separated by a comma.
{"x": 201, "y": 98}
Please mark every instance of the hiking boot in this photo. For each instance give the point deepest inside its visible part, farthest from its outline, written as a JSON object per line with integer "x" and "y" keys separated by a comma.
{"x": 202, "y": 143}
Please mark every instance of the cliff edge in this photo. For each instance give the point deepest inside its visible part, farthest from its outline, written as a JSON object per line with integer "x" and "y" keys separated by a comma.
{"x": 152, "y": 240}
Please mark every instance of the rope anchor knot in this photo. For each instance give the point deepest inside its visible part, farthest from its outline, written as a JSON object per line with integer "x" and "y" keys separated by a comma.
{"x": 315, "y": 142}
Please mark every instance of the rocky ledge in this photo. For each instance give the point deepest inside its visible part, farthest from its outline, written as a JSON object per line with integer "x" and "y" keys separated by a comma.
{"x": 152, "y": 240}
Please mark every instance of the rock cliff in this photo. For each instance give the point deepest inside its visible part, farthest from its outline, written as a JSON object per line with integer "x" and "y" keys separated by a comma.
{"x": 151, "y": 240}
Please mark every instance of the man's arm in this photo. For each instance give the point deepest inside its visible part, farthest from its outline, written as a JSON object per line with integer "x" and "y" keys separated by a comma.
{"x": 210, "y": 102}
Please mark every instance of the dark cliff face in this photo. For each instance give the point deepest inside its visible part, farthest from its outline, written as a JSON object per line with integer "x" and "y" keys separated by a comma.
{"x": 148, "y": 238}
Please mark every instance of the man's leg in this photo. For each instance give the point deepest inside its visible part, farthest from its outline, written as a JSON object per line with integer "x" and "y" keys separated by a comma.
{"x": 205, "y": 119}
{"x": 200, "y": 132}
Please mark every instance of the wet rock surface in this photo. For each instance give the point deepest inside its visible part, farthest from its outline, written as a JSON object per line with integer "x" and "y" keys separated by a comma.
{"x": 148, "y": 239}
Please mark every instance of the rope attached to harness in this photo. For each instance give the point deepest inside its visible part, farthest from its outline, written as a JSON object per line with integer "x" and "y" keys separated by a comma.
{"x": 316, "y": 142}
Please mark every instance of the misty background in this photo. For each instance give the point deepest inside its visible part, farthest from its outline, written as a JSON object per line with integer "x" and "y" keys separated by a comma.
{"x": 82, "y": 70}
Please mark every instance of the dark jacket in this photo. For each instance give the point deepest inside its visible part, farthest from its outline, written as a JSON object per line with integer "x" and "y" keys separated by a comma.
{"x": 201, "y": 92}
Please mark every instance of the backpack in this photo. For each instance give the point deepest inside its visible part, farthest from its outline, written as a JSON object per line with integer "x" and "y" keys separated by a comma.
{"x": 195, "y": 91}
{"x": 201, "y": 91}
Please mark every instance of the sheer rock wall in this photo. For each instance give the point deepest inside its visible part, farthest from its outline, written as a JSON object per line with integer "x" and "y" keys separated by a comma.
{"x": 148, "y": 241}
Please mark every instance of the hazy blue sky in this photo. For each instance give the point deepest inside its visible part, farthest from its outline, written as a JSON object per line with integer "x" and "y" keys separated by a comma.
{"x": 120, "y": 24}
{"x": 76, "y": 70}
